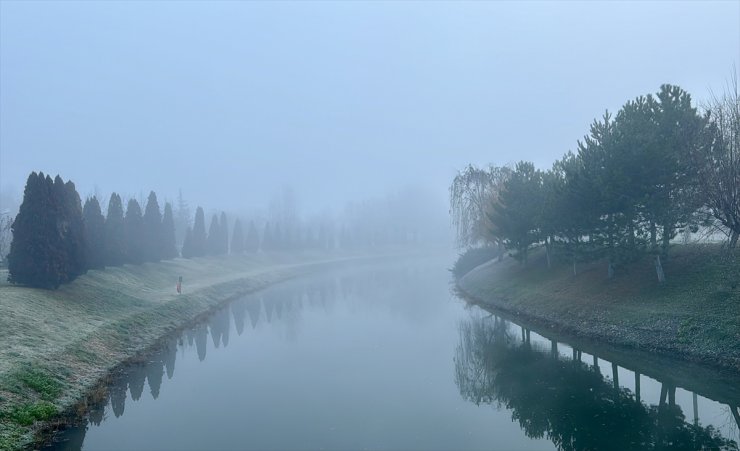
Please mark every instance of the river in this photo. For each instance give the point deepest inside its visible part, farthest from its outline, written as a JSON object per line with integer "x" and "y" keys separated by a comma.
{"x": 388, "y": 357}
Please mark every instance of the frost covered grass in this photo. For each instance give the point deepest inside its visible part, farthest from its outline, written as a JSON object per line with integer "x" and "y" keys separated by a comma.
{"x": 56, "y": 345}
{"x": 694, "y": 315}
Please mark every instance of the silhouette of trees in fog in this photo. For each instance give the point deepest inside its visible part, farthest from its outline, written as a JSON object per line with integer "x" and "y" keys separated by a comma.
{"x": 655, "y": 169}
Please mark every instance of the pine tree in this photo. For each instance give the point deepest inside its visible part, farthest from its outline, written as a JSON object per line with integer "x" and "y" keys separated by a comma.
{"x": 224, "y": 235}
{"x": 252, "y": 243}
{"x": 34, "y": 257}
{"x": 199, "y": 234}
{"x": 169, "y": 249}
{"x": 134, "y": 229}
{"x": 213, "y": 246}
{"x": 153, "y": 235}
{"x": 115, "y": 235}
{"x": 237, "y": 239}
{"x": 94, "y": 233}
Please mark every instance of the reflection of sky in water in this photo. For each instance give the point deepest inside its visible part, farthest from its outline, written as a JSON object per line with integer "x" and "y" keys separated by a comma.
{"x": 355, "y": 359}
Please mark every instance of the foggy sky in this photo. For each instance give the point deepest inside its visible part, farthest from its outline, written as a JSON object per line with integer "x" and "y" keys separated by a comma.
{"x": 233, "y": 101}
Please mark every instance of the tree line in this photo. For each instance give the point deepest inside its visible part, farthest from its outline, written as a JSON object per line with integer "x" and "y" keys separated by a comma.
{"x": 657, "y": 168}
{"x": 56, "y": 238}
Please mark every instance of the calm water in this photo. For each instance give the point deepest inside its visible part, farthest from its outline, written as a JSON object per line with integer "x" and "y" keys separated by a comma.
{"x": 387, "y": 358}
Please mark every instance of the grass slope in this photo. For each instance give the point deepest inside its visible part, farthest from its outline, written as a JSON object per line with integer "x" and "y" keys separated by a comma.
{"x": 694, "y": 315}
{"x": 56, "y": 345}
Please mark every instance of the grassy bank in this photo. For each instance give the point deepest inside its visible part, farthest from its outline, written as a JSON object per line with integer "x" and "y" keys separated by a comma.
{"x": 55, "y": 346}
{"x": 694, "y": 315}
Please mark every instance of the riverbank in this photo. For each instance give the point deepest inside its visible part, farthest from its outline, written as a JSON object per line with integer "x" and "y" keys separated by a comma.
{"x": 58, "y": 345}
{"x": 694, "y": 315}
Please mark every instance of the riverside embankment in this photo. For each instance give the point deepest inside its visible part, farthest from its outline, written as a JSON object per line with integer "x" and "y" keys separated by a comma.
{"x": 57, "y": 346}
{"x": 694, "y": 316}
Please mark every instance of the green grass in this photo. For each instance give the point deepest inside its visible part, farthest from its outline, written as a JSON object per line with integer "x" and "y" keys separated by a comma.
{"x": 694, "y": 314}
{"x": 56, "y": 345}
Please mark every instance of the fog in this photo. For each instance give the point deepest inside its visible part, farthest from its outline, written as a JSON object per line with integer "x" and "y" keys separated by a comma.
{"x": 342, "y": 103}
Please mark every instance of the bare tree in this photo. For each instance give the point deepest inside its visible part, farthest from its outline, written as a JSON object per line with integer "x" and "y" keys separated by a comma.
{"x": 720, "y": 169}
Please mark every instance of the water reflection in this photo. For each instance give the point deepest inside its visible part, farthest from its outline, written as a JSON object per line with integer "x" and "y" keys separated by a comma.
{"x": 567, "y": 400}
{"x": 553, "y": 391}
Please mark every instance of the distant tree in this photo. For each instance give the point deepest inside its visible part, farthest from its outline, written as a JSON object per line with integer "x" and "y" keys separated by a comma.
{"x": 719, "y": 162}
{"x": 199, "y": 234}
{"x": 36, "y": 254}
{"x": 115, "y": 234}
{"x": 182, "y": 219}
{"x": 6, "y": 235}
{"x": 133, "y": 224}
{"x": 267, "y": 243}
{"x": 187, "y": 246}
{"x": 153, "y": 235}
{"x": 214, "y": 237}
{"x": 94, "y": 233}
{"x": 223, "y": 248}
{"x": 237, "y": 239}
{"x": 278, "y": 238}
{"x": 169, "y": 248}
{"x": 252, "y": 242}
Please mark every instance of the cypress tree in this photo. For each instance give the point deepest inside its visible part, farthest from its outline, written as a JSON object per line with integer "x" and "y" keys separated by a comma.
{"x": 74, "y": 231}
{"x": 213, "y": 246}
{"x": 153, "y": 235}
{"x": 94, "y": 233}
{"x": 199, "y": 234}
{"x": 252, "y": 243}
{"x": 169, "y": 249}
{"x": 33, "y": 257}
{"x": 133, "y": 225}
{"x": 224, "y": 235}
{"x": 237, "y": 239}
{"x": 115, "y": 236}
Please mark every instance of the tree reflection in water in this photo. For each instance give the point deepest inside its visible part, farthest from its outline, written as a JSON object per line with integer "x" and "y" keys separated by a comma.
{"x": 564, "y": 400}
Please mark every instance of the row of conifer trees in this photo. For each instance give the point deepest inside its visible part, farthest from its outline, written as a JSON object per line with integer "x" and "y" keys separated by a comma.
{"x": 56, "y": 238}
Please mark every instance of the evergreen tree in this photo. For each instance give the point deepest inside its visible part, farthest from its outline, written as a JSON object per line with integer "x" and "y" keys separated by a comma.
{"x": 73, "y": 229}
{"x": 133, "y": 224}
{"x": 94, "y": 233}
{"x": 153, "y": 235}
{"x": 35, "y": 253}
{"x": 252, "y": 243}
{"x": 199, "y": 234}
{"x": 223, "y": 235}
{"x": 115, "y": 235}
{"x": 237, "y": 239}
{"x": 169, "y": 249}
{"x": 187, "y": 245}
{"x": 213, "y": 246}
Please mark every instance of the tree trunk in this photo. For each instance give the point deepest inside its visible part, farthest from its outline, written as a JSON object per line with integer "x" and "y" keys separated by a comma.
{"x": 653, "y": 236}
{"x": 666, "y": 241}
{"x": 733, "y": 238}
{"x": 610, "y": 270}
{"x": 547, "y": 252}
{"x": 659, "y": 269}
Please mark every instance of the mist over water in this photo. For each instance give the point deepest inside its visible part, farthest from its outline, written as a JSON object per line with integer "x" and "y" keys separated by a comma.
{"x": 385, "y": 357}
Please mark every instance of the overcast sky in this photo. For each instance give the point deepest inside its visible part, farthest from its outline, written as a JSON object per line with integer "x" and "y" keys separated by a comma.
{"x": 231, "y": 101}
